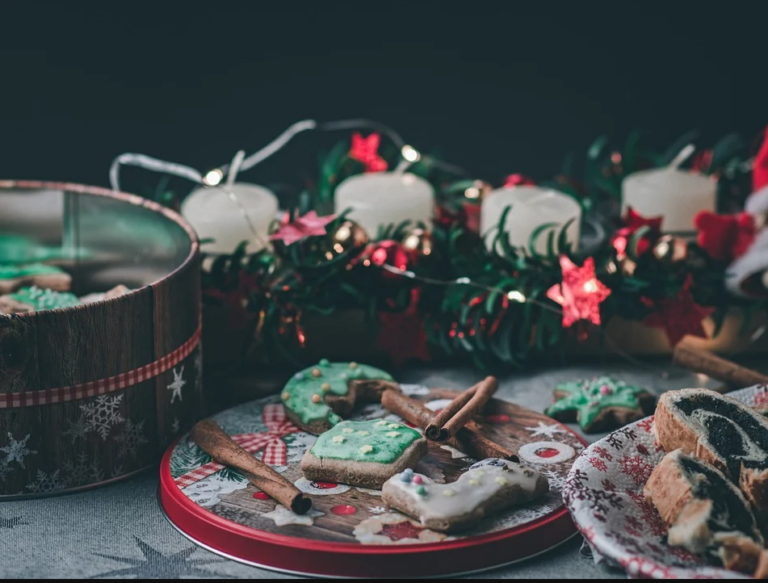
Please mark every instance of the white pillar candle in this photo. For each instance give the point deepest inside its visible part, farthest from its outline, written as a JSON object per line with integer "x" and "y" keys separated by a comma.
{"x": 675, "y": 194}
{"x": 231, "y": 214}
{"x": 531, "y": 207}
{"x": 382, "y": 198}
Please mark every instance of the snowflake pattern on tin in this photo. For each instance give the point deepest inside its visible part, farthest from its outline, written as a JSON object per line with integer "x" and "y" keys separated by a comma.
{"x": 604, "y": 492}
{"x": 44, "y": 482}
{"x": 102, "y": 414}
{"x": 131, "y": 439}
{"x": 16, "y": 450}
{"x": 81, "y": 470}
{"x": 177, "y": 384}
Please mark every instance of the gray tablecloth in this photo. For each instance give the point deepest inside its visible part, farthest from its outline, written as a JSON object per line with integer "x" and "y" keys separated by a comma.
{"x": 119, "y": 530}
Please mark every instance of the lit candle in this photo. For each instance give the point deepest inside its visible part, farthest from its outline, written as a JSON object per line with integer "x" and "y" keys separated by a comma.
{"x": 675, "y": 194}
{"x": 378, "y": 199}
{"x": 229, "y": 214}
{"x": 531, "y": 207}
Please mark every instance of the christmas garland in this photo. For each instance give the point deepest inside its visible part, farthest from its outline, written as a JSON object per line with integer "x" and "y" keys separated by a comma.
{"x": 437, "y": 289}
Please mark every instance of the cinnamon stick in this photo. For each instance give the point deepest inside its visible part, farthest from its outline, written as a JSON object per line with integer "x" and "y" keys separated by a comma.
{"x": 456, "y": 414}
{"x": 468, "y": 439}
{"x": 698, "y": 360}
{"x": 216, "y": 443}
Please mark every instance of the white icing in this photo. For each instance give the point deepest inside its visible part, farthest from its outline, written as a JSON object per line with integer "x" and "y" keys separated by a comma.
{"x": 482, "y": 481}
{"x": 528, "y": 452}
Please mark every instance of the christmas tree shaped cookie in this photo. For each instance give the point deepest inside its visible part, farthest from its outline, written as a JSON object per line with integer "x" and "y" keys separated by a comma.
{"x": 601, "y": 403}
{"x": 316, "y": 397}
{"x": 363, "y": 453}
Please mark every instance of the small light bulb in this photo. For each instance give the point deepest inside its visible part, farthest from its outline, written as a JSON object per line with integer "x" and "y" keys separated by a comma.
{"x": 213, "y": 177}
{"x": 410, "y": 154}
{"x": 462, "y": 280}
{"x": 472, "y": 192}
{"x": 516, "y": 296}
{"x": 590, "y": 287}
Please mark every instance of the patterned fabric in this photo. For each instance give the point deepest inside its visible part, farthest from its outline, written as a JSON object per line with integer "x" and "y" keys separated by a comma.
{"x": 275, "y": 450}
{"x": 101, "y": 386}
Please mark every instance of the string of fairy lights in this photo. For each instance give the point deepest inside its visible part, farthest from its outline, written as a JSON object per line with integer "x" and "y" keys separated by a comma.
{"x": 224, "y": 176}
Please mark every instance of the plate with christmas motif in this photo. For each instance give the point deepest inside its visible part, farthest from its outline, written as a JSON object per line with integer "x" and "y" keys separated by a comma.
{"x": 604, "y": 492}
{"x": 350, "y": 532}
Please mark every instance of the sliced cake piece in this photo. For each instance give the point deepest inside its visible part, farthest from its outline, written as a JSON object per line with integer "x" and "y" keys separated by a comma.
{"x": 721, "y": 431}
{"x": 705, "y": 512}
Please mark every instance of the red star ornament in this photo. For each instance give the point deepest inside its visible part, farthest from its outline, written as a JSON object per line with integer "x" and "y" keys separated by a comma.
{"x": 366, "y": 150}
{"x": 679, "y": 315}
{"x": 308, "y": 225}
{"x": 580, "y": 293}
{"x": 760, "y": 166}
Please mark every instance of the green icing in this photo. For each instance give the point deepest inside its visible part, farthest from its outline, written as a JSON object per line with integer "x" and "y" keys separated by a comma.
{"x": 298, "y": 392}
{"x": 589, "y": 397}
{"x": 376, "y": 441}
{"x": 14, "y": 271}
{"x": 44, "y": 299}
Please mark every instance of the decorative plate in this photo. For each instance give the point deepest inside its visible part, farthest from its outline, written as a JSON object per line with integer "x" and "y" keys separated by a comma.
{"x": 349, "y": 531}
{"x": 604, "y": 492}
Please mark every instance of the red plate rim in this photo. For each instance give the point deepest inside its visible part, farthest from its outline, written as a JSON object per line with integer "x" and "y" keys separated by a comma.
{"x": 310, "y": 556}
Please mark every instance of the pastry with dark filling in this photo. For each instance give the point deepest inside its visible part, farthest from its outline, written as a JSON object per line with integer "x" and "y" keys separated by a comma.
{"x": 723, "y": 432}
{"x": 705, "y": 512}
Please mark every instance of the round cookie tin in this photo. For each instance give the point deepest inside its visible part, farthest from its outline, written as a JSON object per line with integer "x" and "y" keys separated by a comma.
{"x": 350, "y": 532}
{"x": 95, "y": 392}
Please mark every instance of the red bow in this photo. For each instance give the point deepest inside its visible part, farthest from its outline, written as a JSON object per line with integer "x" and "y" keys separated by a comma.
{"x": 760, "y": 167}
{"x": 725, "y": 237}
{"x": 518, "y": 180}
{"x": 275, "y": 450}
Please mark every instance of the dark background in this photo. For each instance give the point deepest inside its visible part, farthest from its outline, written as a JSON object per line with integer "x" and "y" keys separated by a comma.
{"x": 494, "y": 87}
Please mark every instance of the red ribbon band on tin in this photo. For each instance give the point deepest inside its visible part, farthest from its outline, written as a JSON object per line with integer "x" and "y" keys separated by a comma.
{"x": 275, "y": 450}
{"x": 102, "y": 386}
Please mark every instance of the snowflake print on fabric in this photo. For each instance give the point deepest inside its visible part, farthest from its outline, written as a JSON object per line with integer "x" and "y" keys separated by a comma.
{"x": 603, "y": 453}
{"x": 12, "y": 522}
{"x": 623, "y": 526}
{"x": 636, "y": 468}
{"x": 16, "y": 450}
{"x": 131, "y": 439}
{"x": 598, "y": 464}
{"x": 177, "y": 384}
{"x": 77, "y": 429}
{"x": 45, "y": 482}
{"x": 102, "y": 414}
{"x": 377, "y": 509}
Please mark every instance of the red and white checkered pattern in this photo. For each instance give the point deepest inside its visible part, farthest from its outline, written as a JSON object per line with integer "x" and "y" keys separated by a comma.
{"x": 101, "y": 386}
{"x": 275, "y": 450}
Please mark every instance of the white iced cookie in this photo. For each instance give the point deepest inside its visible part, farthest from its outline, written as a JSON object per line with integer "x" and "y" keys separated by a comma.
{"x": 488, "y": 486}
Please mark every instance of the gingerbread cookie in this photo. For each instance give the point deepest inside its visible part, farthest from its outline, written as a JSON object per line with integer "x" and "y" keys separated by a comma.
{"x": 363, "y": 453}
{"x": 115, "y": 292}
{"x": 12, "y": 277}
{"x": 600, "y": 403}
{"x": 489, "y": 486}
{"x": 315, "y": 397}
{"x": 33, "y": 299}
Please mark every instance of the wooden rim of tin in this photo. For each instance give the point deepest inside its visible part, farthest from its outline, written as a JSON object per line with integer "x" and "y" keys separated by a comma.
{"x": 134, "y": 199}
